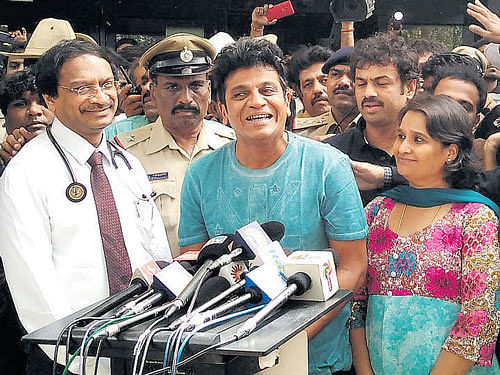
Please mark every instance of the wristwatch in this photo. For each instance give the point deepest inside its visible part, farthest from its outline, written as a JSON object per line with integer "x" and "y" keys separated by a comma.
{"x": 387, "y": 178}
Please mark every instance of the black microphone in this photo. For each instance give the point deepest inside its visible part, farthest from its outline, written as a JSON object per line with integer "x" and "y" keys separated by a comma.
{"x": 274, "y": 229}
{"x": 142, "y": 279}
{"x": 253, "y": 237}
{"x": 211, "y": 251}
{"x": 210, "y": 289}
{"x": 298, "y": 284}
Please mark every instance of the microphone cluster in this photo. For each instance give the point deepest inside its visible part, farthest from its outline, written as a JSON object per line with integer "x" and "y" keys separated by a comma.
{"x": 234, "y": 274}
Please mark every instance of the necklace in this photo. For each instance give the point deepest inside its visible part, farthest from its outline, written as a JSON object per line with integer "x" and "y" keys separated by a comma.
{"x": 438, "y": 208}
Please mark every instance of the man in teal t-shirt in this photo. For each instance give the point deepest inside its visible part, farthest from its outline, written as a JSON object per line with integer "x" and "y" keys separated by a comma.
{"x": 269, "y": 174}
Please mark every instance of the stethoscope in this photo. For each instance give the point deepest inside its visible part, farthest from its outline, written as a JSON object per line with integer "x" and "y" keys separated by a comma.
{"x": 76, "y": 192}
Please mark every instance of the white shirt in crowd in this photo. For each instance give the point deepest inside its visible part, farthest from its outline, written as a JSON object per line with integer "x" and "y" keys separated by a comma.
{"x": 51, "y": 247}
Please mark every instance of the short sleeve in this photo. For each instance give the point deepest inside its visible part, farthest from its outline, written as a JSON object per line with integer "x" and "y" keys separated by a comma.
{"x": 192, "y": 227}
{"x": 341, "y": 208}
{"x": 475, "y": 331}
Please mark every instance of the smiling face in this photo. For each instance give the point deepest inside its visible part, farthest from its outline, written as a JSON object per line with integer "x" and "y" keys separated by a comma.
{"x": 85, "y": 116}
{"x": 313, "y": 90}
{"x": 380, "y": 94}
{"x": 419, "y": 157}
{"x": 256, "y": 105}
{"x": 28, "y": 112}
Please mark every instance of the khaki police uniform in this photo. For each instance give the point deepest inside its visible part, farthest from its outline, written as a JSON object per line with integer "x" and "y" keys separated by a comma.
{"x": 310, "y": 127}
{"x": 178, "y": 55}
{"x": 166, "y": 163}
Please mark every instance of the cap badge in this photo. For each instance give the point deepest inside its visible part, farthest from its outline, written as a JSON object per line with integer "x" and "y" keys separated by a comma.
{"x": 187, "y": 71}
{"x": 186, "y": 55}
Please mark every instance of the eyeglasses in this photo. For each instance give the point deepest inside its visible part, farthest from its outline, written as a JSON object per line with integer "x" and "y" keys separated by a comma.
{"x": 89, "y": 91}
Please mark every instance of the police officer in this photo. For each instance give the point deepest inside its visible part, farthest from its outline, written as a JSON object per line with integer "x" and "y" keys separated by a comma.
{"x": 178, "y": 66}
{"x": 343, "y": 112}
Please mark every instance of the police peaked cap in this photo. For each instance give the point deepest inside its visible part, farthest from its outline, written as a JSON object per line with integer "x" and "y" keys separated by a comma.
{"x": 180, "y": 54}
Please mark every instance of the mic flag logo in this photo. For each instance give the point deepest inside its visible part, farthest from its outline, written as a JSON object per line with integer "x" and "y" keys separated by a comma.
{"x": 327, "y": 272}
{"x": 236, "y": 271}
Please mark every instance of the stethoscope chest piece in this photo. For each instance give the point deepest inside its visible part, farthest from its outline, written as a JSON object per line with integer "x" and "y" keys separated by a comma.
{"x": 76, "y": 192}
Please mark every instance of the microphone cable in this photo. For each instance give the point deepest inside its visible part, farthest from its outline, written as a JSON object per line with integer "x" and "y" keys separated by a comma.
{"x": 84, "y": 347}
{"x": 97, "y": 356}
{"x": 143, "y": 344}
{"x": 210, "y": 348}
{"x": 91, "y": 337}
{"x": 69, "y": 327}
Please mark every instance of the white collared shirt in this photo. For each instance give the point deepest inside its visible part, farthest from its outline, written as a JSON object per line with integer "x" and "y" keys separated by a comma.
{"x": 51, "y": 247}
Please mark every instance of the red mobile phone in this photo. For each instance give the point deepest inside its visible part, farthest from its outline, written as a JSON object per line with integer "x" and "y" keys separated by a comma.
{"x": 280, "y": 10}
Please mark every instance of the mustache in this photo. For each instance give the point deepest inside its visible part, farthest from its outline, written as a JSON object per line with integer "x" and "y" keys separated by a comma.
{"x": 343, "y": 89}
{"x": 185, "y": 107}
{"x": 371, "y": 100}
{"x": 98, "y": 106}
{"x": 319, "y": 97}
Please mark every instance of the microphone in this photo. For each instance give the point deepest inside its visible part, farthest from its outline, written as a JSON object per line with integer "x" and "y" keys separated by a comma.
{"x": 142, "y": 278}
{"x": 253, "y": 296}
{"x": 274, "y": 229}
{"x": 210, "y": 289}
{"x": 298, "y": 284}
{"x": 253, "y": 237}
{"x": 261, "y": 285}
{"x": 220, "y": 296}
{"x": 267, "y": 279}
{"x": 320, "y": 266}
{"x": 168, "y": 283}
{"x": 210, "y": 252}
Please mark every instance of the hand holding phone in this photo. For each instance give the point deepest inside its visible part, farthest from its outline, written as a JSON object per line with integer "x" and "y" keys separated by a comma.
{"x": 135, "y": 90}
{"x": 280, "y": 10}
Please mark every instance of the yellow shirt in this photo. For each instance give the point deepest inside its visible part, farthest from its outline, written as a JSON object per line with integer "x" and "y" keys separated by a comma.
{"x": 166, "y": 163}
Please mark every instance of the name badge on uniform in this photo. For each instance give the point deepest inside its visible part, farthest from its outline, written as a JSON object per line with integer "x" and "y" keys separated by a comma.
{"x": 157, "y": 176}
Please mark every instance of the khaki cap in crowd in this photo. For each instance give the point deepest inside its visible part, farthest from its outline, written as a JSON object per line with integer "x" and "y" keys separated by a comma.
{"x": 46, "y": 35}
{"x": 180, "y": 54}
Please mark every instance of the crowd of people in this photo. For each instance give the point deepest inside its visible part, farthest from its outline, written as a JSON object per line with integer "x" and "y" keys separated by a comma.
{"x": 384, "y": 150}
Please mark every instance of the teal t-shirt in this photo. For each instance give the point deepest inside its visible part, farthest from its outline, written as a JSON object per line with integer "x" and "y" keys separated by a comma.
{"x": 126, "y": 125}
{"x": 310, "y": 189}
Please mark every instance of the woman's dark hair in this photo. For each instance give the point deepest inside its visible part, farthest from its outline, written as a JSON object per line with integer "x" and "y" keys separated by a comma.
{"x": 448, "y": 123}
{"x": 50, "y": 64}
{"x": 245, "y": 53}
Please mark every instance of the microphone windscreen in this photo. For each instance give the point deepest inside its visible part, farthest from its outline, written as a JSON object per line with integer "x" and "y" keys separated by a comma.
{"x": 274, "y": 229}
{"x": 215, "y": 247}
{"x": 302, "y": 280}
{"x": 211, "y": 289}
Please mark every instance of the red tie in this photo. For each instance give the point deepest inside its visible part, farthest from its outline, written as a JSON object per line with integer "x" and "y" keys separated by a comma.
{"x": 115, "y": 252}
